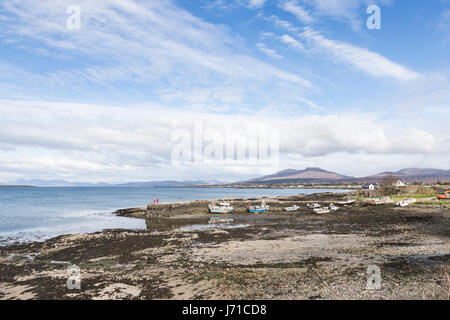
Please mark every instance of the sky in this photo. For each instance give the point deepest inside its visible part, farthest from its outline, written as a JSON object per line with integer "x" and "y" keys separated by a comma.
{"x": 130, "y": 90}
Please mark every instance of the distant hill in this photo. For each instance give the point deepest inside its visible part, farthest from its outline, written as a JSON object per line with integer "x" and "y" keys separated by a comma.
{"x": 63, "y": 183}
{"x": 301, "y": 176}
{"x": 318, "y": 175}
{"x": 414, "y": 175}
{"x": 57, "y": 183}
{"x": 169, "y": 183}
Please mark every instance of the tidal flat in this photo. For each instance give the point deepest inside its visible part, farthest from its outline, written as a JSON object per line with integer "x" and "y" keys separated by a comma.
{"x": 276, "y": 255}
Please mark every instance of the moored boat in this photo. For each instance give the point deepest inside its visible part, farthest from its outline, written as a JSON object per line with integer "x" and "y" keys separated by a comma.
{"x": 293, "y": 208}
{"x": 378, "y": 201}
{"x": 405, "y": 203}
{"x": 258, "y": 209}
{"x": 333, "y": 207}
{"x": 222, "y": 207}
{"x": 322, "y": 210}
{"x": 346, "y": 202}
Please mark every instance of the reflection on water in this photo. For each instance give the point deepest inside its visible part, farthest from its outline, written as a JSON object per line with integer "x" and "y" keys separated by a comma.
{"x": 164, "y": 224}
{"x": 213, "y": 226}
{"x": 185, "y": 224}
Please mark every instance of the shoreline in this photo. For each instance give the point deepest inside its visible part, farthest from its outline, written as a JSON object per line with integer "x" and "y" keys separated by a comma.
{"x": 128, "y": 213}
{"x": 276, "y": 203}
{"x": 279, "y": 255}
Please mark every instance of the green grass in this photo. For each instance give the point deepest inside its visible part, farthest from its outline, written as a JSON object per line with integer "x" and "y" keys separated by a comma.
{"x": 415, "y": 196}
{"x": 441, "y": 202}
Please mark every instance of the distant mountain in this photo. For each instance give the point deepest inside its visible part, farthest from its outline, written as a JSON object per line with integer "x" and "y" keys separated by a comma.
{"x": 169, "y": 183}
{"x": 63, "y": 183}
{"x": 318, "y": 175}
{"x": 301, "y": 176}
{"x": 415, "y": 175}
{"x": 57, "y": 183}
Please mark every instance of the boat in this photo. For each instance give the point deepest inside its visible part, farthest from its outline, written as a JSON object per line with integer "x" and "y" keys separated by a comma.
{"x": 346, "y": 202}
{"x": 259, "y": 209}
{"x": 321, "y": 210}
{"x": 405, "y": 203}
{"x": 444, "y": 194}
{"x": 314, "y": 205}
{"x": 378, "y": 201}
{"x": 222, "y": 207}
{"x": 293, "y": 208}
{"x": 333, "y": 207}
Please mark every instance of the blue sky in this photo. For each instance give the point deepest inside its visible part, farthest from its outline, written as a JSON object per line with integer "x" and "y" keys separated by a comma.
{"x": 102, "y": 102}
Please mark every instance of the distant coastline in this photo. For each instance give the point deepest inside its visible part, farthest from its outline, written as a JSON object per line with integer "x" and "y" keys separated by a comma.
{"x": 16, "y": 186}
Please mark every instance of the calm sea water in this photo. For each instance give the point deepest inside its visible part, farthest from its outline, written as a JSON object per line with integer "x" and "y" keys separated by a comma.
{"x": 35, "y": 214}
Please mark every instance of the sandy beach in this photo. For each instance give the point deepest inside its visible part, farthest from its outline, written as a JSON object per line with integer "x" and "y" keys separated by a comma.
{"x": 278, "y": 255}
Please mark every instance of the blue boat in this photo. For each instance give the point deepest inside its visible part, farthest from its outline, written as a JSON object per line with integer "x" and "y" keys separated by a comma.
{"x": 259, "y": 209}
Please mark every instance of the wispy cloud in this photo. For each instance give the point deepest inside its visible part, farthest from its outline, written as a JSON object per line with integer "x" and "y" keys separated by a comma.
{"x": 293, "y": 43}
{"x": 297, "y": 10}
{"x": 140, "y": 42}
{"x": 280, "y": 23}
{"x": 270, "y": 52}
{"x": 256, "y": 3}
{"x": 365, "y": 60}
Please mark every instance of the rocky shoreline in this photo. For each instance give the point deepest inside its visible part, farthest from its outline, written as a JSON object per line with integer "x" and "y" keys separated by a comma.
{"x": 299, "y": 255}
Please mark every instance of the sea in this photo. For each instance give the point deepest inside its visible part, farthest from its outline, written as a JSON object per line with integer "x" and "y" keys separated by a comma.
{"x": 37, "y": 214}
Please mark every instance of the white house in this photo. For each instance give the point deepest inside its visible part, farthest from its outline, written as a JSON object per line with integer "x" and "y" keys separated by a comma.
{"x": 369, "y": 187}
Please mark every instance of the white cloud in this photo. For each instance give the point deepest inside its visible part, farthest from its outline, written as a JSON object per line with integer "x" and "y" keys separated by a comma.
{"x": 336, "y": 8}
{"x": 280, "y": 23}
{"x": 293, "y": 43}
{"x": 270, "y": 52}
{"x": 110, "y": 143}
{"x": 348, "y": 11}
{"x": 256, "y": 3}
{"x": 152, "y": 42}
{"x": 367, "y": 61}
{"x": 298, "y": 11}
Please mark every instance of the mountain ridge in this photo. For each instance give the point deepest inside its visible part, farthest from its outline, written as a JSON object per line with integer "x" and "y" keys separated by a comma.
{"x": 314, "y": 174}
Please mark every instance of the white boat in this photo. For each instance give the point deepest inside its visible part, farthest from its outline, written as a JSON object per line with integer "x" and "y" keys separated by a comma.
{"x": 346, "y": 202}
{"x": 378, "y": 201}
{"x": 293, "y": 208}
{"x": 223, "y": 207}
{"x": 314, "y": 205}
{"x": 405, "y": 203}
{"x": 333, "y": 207}
{"x": 322, "y": 210}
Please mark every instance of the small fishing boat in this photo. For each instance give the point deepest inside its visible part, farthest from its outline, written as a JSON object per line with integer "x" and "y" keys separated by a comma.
{"x": 314, "y": 205}
{"x": 346, "y": 202}
{"x": 258, "y": 209}
{"x": 333, "y": 207}
{"x": 405, "y": 203}
{"x": 378, "y": 201}
{"x": 321, "y": 210}
{"x": 222, "y": 207}
{"x": 293, "y": 208}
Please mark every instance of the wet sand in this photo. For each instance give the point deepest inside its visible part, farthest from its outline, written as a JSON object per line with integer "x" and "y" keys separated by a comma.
{"x": 279, "y": 255}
